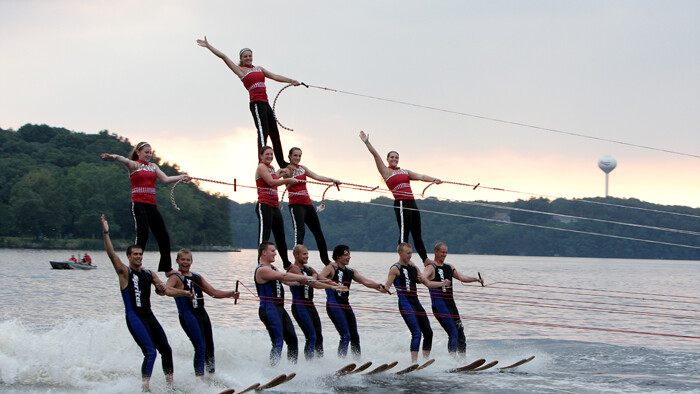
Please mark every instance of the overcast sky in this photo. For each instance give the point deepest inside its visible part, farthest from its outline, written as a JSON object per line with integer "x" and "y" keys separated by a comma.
{"x": 620, "y": 70}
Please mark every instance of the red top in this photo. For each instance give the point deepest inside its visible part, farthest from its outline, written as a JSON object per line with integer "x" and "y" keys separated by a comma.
{"x": 143, "y": 183}
{"x": 298, "y": 194}
{"x": 254, "y": 81}
{"x": 267, "y": 194}
{"x": 399, "y": 184}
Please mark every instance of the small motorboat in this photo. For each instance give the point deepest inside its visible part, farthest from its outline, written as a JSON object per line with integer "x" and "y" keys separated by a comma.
{"x": 59, "y": 265}
{"x": 73, "y": 264}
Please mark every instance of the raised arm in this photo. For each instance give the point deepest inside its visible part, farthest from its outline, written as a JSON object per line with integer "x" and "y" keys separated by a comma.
{"x": 420, "y": 177}
{"x": 321, "y": 178}
{"x": 170, "y": 179}
{"x": 264, "y": 173}
{"x": 279, "y": 78}
{"x": 121, "y": 269}
{"x": 231, "y": 64}
{"x": 381, "y": 167}
{"x": 129, "y": 164}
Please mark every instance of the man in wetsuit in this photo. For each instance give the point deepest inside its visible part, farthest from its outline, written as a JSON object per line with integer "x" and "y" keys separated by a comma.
{"x": 303, "y": 308}
{"x": 404, "y": 275}
{"x": 338, "y": 303}
{"x": 135, "y": 284}
{"x": 443, "y": 301}
{"x": 268, "y": 283}
{"x": 193, "y": 317}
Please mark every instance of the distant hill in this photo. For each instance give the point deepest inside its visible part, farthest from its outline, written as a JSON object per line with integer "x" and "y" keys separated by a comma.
{"x": 54, "y": 185}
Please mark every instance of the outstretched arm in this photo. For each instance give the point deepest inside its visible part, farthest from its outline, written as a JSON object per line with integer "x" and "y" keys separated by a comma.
{"x": 280, "y": 78}
{"x": 232, "y": 65}
{"x": 170, "y": 179}
{"x": 129, "y": 164}
{"x": 216, "y": 293}
{"x": 369, "y": 283}
{"x": 119, "y": 267}
{"x": 465, "y": 278}
{"x": 420, "y": 177}
{"x": 381, "y": 167}
{"x": 321, "y": 178}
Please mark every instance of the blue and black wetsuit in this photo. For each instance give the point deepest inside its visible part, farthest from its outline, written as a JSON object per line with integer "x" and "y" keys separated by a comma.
{"x": 411, "y": 310}
{"x": 142, "y": 324}
{"x": 276, "y": 318}
{"x": 306, "y": 315}
{"x": 341, "y": 314}
{"x": 195, "y": 321}
{"x": 446, "y": 311}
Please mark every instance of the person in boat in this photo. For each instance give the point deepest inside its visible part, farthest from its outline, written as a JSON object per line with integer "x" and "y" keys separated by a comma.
{"x": 135, "y": 284}
{"x": 442, "y": 299}
{"x": 193, "y": 317}
{"x": 303, "y": 308}
{"x": 253, "y": 78}
{"x": 399, "y": 182}
{"x": 268, "y": 283}
{"x": 268, "y": 207}
{"x": 87, "y": 258}
{"x": 300, "y": 206}
{"x": 338, "y": 302}
{"x": 73, "y": 259}
{"x": 404, "y": 275}
{"x": 143, "y": 175}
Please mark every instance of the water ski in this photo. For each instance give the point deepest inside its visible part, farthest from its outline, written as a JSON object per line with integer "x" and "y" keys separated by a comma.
{"x": 426, "y": 364}
{"x": 251, "y": 388}
{"x": 408, "y": 369}
{"x": 360, "y": 368}
{"x": 485, "y": 367}
{"x": 469, "y": 367}
{"x": 272, "y": 383}
{"x": 346, "y": 369}
{"x": 290, "y": 377}
{"x": 382, "y": 368}
{"x": 519, "y": 363}
{"x": 228, "y": 391}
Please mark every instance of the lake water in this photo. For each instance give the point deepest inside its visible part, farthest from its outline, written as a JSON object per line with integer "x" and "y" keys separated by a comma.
{"x": 64, "y": 330}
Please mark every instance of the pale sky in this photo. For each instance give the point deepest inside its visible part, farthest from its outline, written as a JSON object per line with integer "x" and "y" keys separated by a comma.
{"x": 619, "y": 70}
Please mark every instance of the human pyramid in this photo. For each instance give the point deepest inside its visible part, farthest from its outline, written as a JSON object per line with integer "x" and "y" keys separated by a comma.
{"x": 335, "y": 278}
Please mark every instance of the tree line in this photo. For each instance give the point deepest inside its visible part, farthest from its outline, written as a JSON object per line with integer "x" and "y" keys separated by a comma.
{"x": 55, "y": 185}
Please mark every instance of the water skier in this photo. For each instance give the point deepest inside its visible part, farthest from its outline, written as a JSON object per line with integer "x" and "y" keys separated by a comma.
{"x": 143, "y": 174}
{"x": 338, "y": 303}
{"x": 303, "y": 308}
{"x": 135, "y": 284}
{"x": 300, "y": 205}
{"x": 193, "y": 317}
{"x": 268, "y": 283}
{"x": 398, "y": 181}
{"x": 404, "y": 275}
{"x": 268, "y": 207}
{"x": 443, "y": 302}
{"x": 253, "y": 78}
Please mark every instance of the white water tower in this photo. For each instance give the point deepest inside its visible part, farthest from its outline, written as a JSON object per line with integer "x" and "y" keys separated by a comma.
{"x": 607, "y": 164}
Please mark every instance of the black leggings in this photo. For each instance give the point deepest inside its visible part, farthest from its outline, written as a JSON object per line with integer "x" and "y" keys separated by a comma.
{"x": 267, "y": 126}
{"x": 408, "y": 218}
{"x": 306, "y": 214}
{"x": 145, "y": 216}
{"x": 270, "y": 221}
